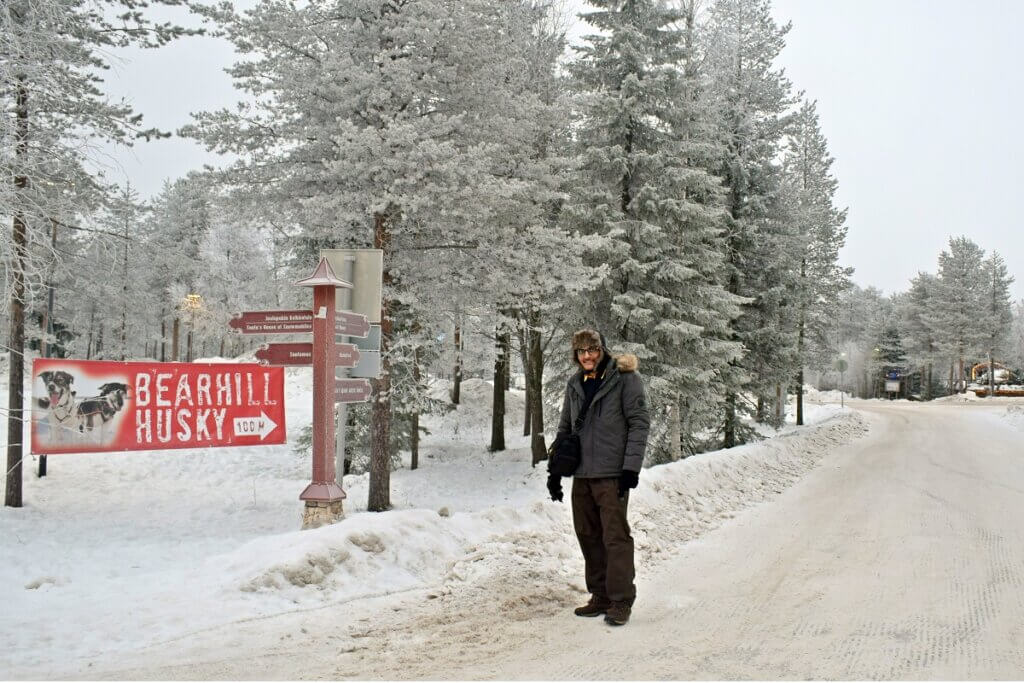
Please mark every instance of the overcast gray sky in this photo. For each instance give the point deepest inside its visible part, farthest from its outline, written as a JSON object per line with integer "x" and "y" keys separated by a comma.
{"x": 920, "y": 101}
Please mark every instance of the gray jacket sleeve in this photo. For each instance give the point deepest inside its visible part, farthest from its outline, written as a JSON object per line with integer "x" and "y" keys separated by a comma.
{"x": 565, "y": 421}
{"x": 638, "y": 422}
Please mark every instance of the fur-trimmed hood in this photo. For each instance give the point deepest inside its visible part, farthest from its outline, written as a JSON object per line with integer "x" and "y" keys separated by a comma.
{"x": 626, "y": 362}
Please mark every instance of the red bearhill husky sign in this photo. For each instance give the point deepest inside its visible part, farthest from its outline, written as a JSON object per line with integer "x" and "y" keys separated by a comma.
{"x": 96, "y": 406}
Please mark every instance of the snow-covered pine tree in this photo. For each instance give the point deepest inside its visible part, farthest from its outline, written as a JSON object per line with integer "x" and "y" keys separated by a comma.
{"x": 753, "y": 97}
{"x": 915, "y": 315}
{"x": 863, "y": 315}
{"x": 996, "y": 313}
{"x": 821, "y": 232}
{"x": 648, "y": 208}
{"x": 959, "y": 304}
{"x": 1016, "y": 351}
{"x": 175, "y": 229}
{"x": 889, "y": 355}
{"x": 374, "y": 123}
{"x": 52, "y": 54}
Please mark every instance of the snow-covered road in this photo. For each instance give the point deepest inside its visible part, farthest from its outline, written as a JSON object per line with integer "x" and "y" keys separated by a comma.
{"x": 901, "y": 555}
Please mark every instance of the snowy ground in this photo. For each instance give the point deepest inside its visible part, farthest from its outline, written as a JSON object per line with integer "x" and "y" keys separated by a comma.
{"x": 120, "y": 556}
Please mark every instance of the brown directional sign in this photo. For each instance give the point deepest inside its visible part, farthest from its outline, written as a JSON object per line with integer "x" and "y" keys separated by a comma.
{"x": 296, "y": 322}
{"x": 301, "y": 353}
{"x": 351, "y": 390}
{"x": 346, "y": 355}
{"x": 352, "y": 324}
{"x": 272, "y": 322}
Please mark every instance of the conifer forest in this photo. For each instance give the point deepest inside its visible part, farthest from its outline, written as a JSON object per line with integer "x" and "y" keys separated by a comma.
{"x": 661, "y": 179}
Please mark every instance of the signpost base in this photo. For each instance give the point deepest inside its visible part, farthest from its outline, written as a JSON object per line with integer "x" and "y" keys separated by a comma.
{"x": 318, "y": 514}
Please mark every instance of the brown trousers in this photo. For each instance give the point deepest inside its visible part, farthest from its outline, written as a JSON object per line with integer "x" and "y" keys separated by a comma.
{"x": 599, "y": 516}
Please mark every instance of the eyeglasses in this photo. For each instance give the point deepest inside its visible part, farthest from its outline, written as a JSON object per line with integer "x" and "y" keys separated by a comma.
{"x": 593, "y": 350}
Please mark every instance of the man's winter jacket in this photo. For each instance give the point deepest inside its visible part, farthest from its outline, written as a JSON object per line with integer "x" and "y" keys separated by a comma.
{"x": 614, "y": 432}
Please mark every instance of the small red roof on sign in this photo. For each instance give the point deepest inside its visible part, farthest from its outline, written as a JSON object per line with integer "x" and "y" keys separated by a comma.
{"x": 323, "y": 275}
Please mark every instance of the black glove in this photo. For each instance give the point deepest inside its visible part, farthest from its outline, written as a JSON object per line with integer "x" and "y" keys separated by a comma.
{"x": 555, "y": 487}
{"x": 627, "y": 480}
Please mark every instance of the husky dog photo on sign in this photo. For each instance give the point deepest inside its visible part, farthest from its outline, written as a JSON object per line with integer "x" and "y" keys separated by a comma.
{"x": 84, "y": 412}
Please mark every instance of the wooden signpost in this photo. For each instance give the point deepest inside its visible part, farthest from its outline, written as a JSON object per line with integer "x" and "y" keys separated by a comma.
{"x": 323, "y": 495}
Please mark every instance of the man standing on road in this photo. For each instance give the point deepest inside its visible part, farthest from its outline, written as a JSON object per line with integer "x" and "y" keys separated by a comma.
{"x": 608, "y": 393}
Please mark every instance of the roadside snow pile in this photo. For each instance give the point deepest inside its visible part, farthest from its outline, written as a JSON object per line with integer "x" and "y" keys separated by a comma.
{"x": 674, "y": 503}
{"x": 1015, "y": 416}
{"x": 685, "y": 499}
{"x": 812, "y": 395}
{"x": 958, "y": 398}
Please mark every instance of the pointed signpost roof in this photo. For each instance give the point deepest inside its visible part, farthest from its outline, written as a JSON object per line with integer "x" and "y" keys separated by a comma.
{"x": 323, "y": 275}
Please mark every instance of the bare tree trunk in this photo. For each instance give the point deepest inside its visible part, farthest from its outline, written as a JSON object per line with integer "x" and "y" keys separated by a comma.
{"x": 991, "y": 372}
{"x": 538, "y": 449}
{"x": 163, "y": 336}
{"x": 963, "y": 381}
{"x": 780, "y": 405}
{"x": 16, "y": 340}
{"x": 675, "y": 440}
{"x": 124, "y": 287}
{"x": 88, "y": 343}
{"x": 928, "y": 389}
{"x": 524, "y": 354}
{"x": 501, "y": 362}
{"x": 175, "y": 330}
{"x": 457, "y": 371}
{"x": 800, "y": 397}
{"x": 46, "y": 325}
{"x": 414, "y": 446}
{"x": 729, "y": 429}
{"x": 380, "y": 413}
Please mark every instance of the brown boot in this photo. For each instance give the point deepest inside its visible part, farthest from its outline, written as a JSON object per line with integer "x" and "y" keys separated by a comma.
{"x": 617, "y": 613}
{"x": 595, "y": 607}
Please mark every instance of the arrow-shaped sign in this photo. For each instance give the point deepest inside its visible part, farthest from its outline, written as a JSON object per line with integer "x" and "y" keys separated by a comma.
{"x": 296, "y": 322}
{"x": 298, "y": 353}
{"x": 301, "y": 353}
{"x": 272, "y": 322}
{"x": 352, "y": 324}
{"x": 351, "y": 390}
{"x": 346, "y": 355}
{"x": 254, "y": 426}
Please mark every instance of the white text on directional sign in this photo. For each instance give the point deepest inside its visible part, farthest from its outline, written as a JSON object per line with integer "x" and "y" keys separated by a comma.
{"x": 351, "y": 390}
{"x": 254, "y": 426}
{"x": 295, "y": 322}
{"x": 301, "y": 353}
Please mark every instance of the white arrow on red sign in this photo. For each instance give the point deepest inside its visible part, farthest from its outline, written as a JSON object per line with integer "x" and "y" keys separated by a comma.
{"x": 301, "y": 353}
{"x": 351, "y": 390}
{"x": 254, "y": 426}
